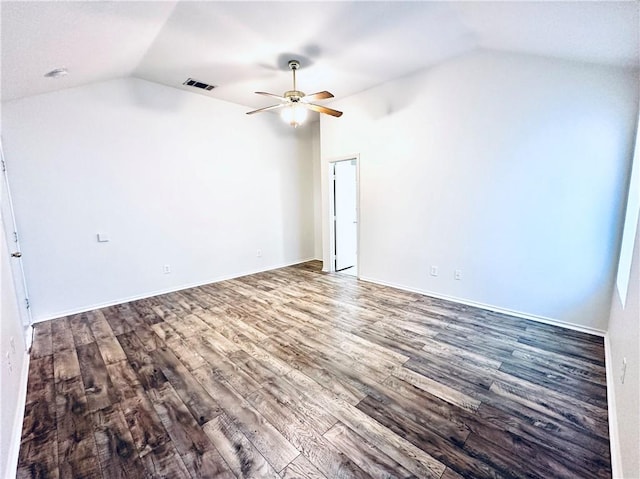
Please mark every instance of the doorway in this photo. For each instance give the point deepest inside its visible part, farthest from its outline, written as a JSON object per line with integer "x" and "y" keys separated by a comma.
{"x": 345, "y": 216}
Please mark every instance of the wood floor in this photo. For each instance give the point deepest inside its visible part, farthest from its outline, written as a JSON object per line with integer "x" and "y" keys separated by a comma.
{"x": 294, "y": 373}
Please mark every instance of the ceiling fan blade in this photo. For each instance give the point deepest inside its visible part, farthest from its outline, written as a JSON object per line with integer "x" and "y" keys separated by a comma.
{"x": 273, "y": 107}
{"x": 321, "y": 95}
{"x": 271, "y": 95}
{"x": 323, "y": 109}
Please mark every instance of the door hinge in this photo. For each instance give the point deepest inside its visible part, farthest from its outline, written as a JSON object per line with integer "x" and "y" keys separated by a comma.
{"x": 4, "y": 167}
{"x": 15, "y": 236}
{"x": 26, "y": 300}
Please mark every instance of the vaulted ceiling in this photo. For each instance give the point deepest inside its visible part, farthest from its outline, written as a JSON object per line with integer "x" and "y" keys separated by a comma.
{"x": 242, "y": 47}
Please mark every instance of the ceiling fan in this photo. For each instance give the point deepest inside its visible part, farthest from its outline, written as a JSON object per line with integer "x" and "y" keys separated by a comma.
{"x": 295, "y": 104}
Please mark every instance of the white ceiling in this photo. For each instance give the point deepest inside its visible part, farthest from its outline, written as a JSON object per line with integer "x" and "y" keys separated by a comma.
{"x": 242, "y": 47}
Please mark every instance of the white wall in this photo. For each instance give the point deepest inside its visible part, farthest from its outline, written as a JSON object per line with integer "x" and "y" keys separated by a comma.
{"x": 12, "y": 383}
{"x": 172, "y": 177}
{"x": 317, "y": 192}
{"x": 624, "y": 342}
{"x": 508, "y": 167}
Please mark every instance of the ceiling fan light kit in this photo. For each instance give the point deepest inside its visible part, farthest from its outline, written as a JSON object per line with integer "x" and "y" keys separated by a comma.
{"x": 294, "y": 104}
{"x": 294, "y": 114}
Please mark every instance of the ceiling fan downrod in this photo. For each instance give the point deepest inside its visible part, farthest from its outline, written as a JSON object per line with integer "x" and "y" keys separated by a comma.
{"x": 293, "y": 66}
{"x": 294, "y": 95}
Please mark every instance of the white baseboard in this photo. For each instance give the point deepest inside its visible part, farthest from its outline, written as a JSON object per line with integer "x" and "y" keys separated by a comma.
{"x": 28, "y": 338}
{"x": 614, "y": 437}
{"x": 489, "y": 307}
{"x": 150, "y": 294}
{"x": 18, "y": 418}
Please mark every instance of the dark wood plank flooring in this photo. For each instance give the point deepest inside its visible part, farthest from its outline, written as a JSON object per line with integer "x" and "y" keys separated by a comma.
{"x": 293, "y": 373}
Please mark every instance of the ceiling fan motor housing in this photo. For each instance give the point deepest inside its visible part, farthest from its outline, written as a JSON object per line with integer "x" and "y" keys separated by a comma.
{"x": 294, "y": 95}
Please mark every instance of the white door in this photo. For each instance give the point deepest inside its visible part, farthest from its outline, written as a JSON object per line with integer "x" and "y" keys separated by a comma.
{"x": 11, "y": 233}
{"x": 346, "y": 213}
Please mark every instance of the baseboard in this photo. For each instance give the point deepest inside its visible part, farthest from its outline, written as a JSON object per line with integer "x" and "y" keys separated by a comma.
{"x": 28, "y": 338}
{"x": 18, "y": 418}
{"x": 495, "y": 309}
{"x": 151, "y": 294}
{"x": 488, "y": 307}
{"x": 614, "y": 437}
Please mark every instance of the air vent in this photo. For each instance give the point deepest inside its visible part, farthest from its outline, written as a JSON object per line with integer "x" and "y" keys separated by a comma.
{"x": 198, "y": 84}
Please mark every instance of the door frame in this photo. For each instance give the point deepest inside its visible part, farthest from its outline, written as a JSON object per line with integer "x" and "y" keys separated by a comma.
{"x": 330, "y": 219}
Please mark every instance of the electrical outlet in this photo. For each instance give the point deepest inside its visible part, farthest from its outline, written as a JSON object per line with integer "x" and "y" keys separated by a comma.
{"x": 434, "y": 271}
{"x": 457, "y": 274}
{"x": 624, "y": 370}
{"x": 166, "y": 269}
{"x": 259, "y": 253}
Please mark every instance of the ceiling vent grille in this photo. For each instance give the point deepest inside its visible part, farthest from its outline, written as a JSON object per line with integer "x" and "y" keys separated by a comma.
{"x": 198, "y": 84}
